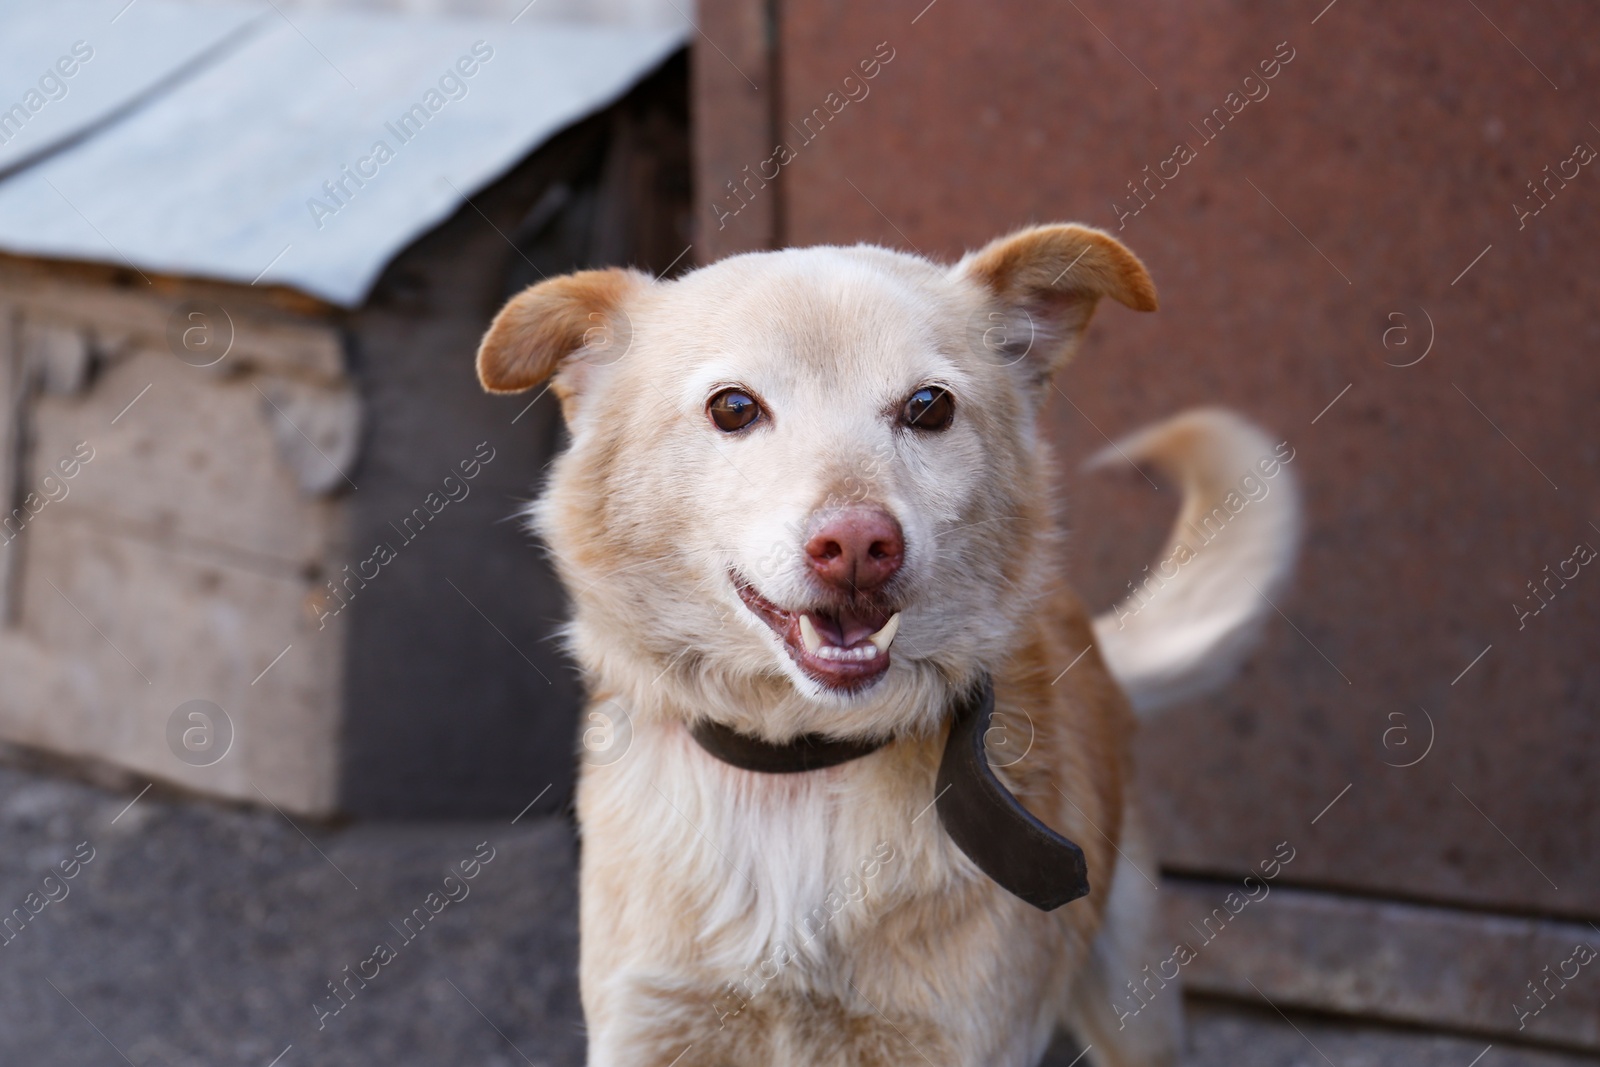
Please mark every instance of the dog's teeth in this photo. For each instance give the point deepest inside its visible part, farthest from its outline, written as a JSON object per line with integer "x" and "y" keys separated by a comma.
{"x": 808, "y": 634}
{"x": 885, "y": 637}
{"x": 857, "y": 655}
{"x": 877, "y": 644}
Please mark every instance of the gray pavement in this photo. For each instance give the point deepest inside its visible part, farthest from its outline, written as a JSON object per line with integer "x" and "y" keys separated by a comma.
{"x": 202, "y": 935}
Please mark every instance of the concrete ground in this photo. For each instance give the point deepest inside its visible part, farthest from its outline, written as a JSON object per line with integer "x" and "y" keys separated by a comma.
{"x": 201, "y": 935}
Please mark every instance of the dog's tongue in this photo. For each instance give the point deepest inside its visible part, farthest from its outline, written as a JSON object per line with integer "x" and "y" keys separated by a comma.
{"x": 855, "y": 626}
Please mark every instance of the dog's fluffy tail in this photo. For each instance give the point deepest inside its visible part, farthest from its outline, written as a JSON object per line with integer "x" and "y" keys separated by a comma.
{"x": 1194, "y": 614}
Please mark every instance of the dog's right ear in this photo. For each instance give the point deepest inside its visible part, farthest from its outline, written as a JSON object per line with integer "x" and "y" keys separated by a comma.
{"x": 541, "y": 327}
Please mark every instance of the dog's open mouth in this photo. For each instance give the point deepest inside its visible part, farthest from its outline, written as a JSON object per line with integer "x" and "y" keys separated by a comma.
{"x": 844, "y": 647}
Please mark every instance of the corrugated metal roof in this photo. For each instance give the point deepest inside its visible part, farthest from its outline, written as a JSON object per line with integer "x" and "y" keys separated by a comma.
{"x": 304, "y": 153}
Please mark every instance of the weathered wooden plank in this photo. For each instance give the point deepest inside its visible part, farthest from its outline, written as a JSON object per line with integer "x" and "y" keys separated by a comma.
{"x": 1408, "y": 963}
{"x": 1223, "y": 1036}
{"x": 246, "y": 329}
{"x": 116, "y": 633}
{"x": 185, "y": 456}
{"x": 734, "y": 92}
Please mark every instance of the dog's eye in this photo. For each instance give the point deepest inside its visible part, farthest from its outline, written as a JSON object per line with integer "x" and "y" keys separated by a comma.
{"x": 733, "y": 409}
{"x": 929, "y": 408}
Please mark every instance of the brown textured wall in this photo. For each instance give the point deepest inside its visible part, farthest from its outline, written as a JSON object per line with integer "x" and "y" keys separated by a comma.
{"x": 1346, "y": 203}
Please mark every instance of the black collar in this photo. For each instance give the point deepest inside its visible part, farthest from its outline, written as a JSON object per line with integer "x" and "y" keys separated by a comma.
{"x": 808, "y": 752}
{"x": 1022, "y": 854}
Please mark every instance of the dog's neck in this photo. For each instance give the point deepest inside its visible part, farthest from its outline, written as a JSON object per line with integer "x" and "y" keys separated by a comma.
{"x": 980, "y": 815}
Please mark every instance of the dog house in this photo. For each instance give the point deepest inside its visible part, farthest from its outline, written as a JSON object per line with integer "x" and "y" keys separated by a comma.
{"x": 258, "y": 536}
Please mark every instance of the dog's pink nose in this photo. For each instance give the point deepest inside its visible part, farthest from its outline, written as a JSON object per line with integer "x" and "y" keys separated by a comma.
{"x": 857, "y": 549}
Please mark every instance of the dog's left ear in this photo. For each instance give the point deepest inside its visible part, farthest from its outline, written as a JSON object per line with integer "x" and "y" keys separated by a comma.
{"x": 1047, "y": 281}
{"x": 539, "y": 329}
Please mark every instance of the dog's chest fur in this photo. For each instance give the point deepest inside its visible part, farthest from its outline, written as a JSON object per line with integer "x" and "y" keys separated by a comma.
{"x": 791, "y": 868}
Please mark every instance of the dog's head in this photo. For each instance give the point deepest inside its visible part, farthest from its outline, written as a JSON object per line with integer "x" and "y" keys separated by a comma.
{"x": 804, "y": 491}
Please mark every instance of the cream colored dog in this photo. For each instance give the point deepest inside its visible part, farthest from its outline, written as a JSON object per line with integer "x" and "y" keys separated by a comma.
{"x": 806, "y": 494}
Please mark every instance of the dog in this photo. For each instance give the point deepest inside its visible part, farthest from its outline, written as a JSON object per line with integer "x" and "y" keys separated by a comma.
{"x": 806, "y": 514}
